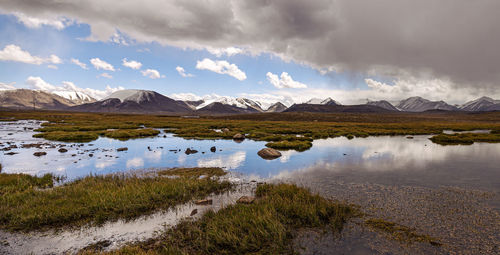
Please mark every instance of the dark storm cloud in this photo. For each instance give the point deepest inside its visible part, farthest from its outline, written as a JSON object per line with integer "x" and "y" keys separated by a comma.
{"x": 455, "y": 39}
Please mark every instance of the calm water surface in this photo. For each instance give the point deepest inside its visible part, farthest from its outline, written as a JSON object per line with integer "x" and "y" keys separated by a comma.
{"x": 384, "y": 160}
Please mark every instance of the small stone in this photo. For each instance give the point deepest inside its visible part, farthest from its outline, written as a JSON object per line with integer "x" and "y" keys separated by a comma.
{"x": 190, "y": 151}
{"x": 203, "y": 202}
{"x": 122, "y": 149}
{"x": 62, "y": 150}
{"x": 213, "y": 149}
{"x": 239, "y": 136}
{"x": 193, "y": 212}
{"x": 40, "y": 153}
{"x": 409, "y": 137}
{"x": 245, "y": 200}
{"x": 225, "y": 130}
{"x": 269, "y": 153}
{"x": 91, "y": 155}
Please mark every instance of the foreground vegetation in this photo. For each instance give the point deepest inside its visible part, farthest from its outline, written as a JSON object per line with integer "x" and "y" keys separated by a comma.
{"x": 466, "y": 138}
{"x": 266, "y": 226}
{"x": 281, "y": 130}
{"x": 30, "y": 203}
{"x": 400, "y": 232}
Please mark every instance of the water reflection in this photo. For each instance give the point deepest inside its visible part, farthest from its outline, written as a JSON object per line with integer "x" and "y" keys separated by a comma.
{"x": 394, "y": 160}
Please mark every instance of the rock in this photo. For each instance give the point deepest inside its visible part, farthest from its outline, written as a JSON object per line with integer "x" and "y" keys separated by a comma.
{"x": 10, "y": 153}
{"x": 40, "y": 153}
{"x": 239, "y": 137}
{"x": 62, "y": 150}
{"x": 189, "y": 151}
{"x": 213, "y": 149}
{"x": 91, "y": 155}
{"x": 245, "y": 200}
{"x": 269, "y": 153}
{"x": 409, "y": 137}
{"x": 193, "y": 212}
{"x": 225, "y": 130}
{"x": 122, "y": 149}
{"x": 203, "y": 202}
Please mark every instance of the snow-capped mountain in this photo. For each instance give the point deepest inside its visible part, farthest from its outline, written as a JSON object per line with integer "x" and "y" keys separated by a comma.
{"x": 481, "y": 104}
{"x": 29, "y": 99}
{"x": 327, "y": 101}
{"x": 383, "y": 104}
{"x": 418, "y": 104}
{"x": 133, "y": 100}
{"x": 77, "y": 97}
{"x": 243, "y": 103}
{"x": 277, "y": 107}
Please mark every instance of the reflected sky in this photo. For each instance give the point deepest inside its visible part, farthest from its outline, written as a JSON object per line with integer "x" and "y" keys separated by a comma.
{"x": 386, "y": 160}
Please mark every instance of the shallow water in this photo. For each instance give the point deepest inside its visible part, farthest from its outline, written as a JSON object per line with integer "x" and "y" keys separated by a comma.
{"x": 394, "y": 160}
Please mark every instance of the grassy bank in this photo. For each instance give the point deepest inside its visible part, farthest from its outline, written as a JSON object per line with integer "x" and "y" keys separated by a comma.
{"x": 29, "y": 203}
{"x": 285, "y": 130}
{"x": 466, "y": 138}
{"x": 266, "y": 226}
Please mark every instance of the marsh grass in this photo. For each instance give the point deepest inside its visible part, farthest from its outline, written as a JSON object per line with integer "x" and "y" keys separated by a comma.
{"x": 465, "y": 138}
{"x": 207, "y": 172}
{"x": 266, "y": 226}
{"x": 400, "y": 232}
{"x": 131, "y": 133}
{"x": 282, "y": 127}
{"x": 12, "y": 183}
{"x": 288, "y": 145}
{"x": 94, "y": 199}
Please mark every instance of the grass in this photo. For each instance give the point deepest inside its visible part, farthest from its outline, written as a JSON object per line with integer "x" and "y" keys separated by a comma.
{"x": 12, "y": 183}
{"x": 193, "y": 172}
{"x": 400, "y": 232}
{"x": 287, "y": 145}
{"x": 465, "y": 138}
{"x": 293, "y": 129}
{"x": 94, "y": 199}
{"x": 266, "y": 226}
{"x": 76, "y": 136}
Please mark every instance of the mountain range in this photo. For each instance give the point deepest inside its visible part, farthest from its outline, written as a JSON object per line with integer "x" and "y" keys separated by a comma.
{"x": 145, "y": 101}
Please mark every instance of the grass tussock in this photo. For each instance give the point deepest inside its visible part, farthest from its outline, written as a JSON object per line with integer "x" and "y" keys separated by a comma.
{"x": 206, "y": 172}
{"x": 465, "y": 138}
{"x": 76, "y": 136}
{"x": 94, "y": 199}
{"x": 131, "y": 133}
{"x": 400, "y": 232}
{"x": 289, "y": 145}
{"x": 265, "y": 227}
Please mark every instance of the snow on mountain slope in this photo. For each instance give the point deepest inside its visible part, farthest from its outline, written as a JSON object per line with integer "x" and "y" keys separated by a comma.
{"x": 418, "y": 104}
{"x": 480, "y": 104}
{"x": 383, "y": 104}
{"x": 77, "y": 97}
{"x": 327, "y": 101}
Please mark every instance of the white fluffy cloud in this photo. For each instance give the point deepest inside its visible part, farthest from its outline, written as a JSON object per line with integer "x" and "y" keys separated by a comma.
{"x": 152, "y": 73}
{"x": 13, "y": 52}
{"x": 67, "y": 87}
{"x": 101, "y": 64}
{"x": 132, "y": 64}
{"x": 32, "y": 22}
{"x": 221, "y": 67}
{"x": 182, "y": 72}
{"x": 219, "y": 52}
{"x": 285, "y": 81}
{"x": 7, "y": 86}
{"x": 78, "y": 63}
{"x": 106, "y": 75}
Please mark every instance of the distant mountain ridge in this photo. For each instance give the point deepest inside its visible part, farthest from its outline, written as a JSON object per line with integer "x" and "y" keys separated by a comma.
{"x": 135, "y": 101}
{"x": 481, "y": 104}
{"x": 383, "y": 104}
{"x": 33, "y": 99}
{"x": 419, "y": 104}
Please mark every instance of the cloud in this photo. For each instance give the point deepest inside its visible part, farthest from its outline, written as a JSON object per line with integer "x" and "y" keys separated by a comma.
{"x": 182, "y": 72}
{"x": 285, "y": 81}
{"x": 219, "y": 52}
{"x": 52, "y": 67}
{"x": 106, "y": 75}
{"x": 132, "y": 64}
{"x": 221, "y": 67}
{"x": 78, "y": 63}
{"x": 135, "y": 163}
{"x": 185, "y": 97}
{"x": 7, "y": 86}
{"x": 231, "y": 161}
{"x": 14, "y": 53}
{"x": 67, "y": 86}
{"x": 32, "y": 22}
{"x": 443, "y": 38}
{"x": 152, "y": 73}
{"x": 101, "y": 64}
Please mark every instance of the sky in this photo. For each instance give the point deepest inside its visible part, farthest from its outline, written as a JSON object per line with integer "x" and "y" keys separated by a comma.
{"x": 282, "y": 50}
